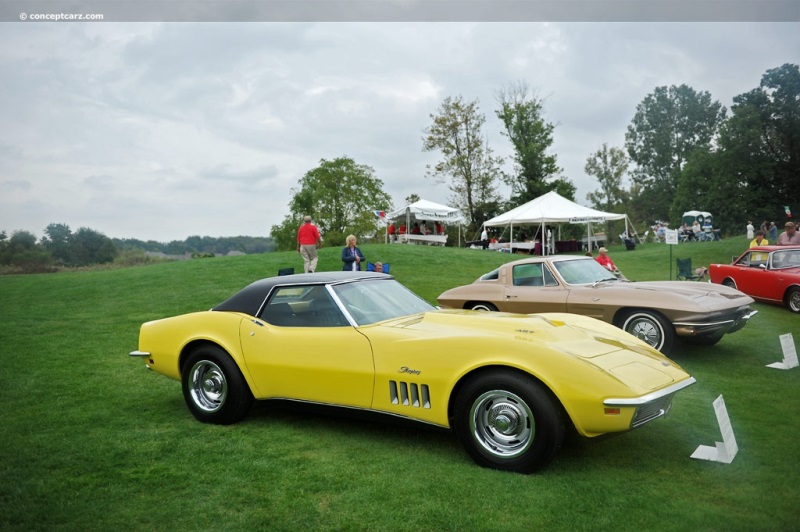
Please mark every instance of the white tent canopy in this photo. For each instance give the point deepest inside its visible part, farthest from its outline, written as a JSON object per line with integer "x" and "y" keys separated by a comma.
{"x": 428, "y": 211}
{"x": 552, "y": 208}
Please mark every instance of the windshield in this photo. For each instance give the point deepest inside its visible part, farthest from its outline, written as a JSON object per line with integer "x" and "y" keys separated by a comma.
{"x": 585, "y": 271}
{"x": 786, "y": 259}
{"x": 377, "y": 300}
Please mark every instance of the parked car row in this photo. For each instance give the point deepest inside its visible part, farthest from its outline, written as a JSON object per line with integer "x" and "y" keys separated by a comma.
{"x": 569, "y": 346}
{"x": 766, "y": 273}
{"x": 655, "y": 312}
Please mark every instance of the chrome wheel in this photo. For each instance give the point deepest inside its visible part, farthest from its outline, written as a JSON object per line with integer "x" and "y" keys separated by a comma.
{"x": 793, "y": 300}
{"x": 502, "y": 423}
{"x": 508, "y": 420}
{"x": 207, "y": 386}
{"x": 649, "y": 327}
{"x": 213, "y": 386}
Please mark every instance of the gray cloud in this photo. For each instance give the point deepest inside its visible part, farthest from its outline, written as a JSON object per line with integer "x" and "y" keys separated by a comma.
{"x": 160, "y": 131}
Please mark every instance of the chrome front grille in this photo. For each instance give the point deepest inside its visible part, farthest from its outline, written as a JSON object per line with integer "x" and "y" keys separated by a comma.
{"x": 652, "y": 410}
{"x": 409, "y": 394}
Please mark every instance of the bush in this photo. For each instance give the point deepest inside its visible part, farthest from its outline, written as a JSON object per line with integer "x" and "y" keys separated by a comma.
{"x": 35, "y": 260}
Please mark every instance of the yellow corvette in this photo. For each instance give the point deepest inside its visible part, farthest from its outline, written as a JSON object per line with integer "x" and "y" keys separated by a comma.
{"x": 509, "y": 385}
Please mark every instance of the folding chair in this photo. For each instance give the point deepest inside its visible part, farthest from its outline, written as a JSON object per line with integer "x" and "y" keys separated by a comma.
{"x": 629, "y": 243}
{"x": 685, "y": 272}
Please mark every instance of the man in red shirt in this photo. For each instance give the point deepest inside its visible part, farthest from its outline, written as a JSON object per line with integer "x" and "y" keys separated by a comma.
{"x": 307, "y": 243}
{"x": 606, "y": 261}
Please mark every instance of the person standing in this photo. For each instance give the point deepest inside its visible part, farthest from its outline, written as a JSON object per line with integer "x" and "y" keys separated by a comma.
{"x": 773, "y": 231}
{"x": 484, "y": 238}
{"x": 759, "y": 240}
{"x": 790, "y": 237}
{"x": 750, "y": 230}
{"x": 351, "y": 255}
{"x": 308, "y": 239}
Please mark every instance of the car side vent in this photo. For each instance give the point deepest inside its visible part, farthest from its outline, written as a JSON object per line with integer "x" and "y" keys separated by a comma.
{"x": 413, "y": 394}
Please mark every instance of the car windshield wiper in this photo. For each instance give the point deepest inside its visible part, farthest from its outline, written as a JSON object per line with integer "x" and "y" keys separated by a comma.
{"x": 604, "y": 280}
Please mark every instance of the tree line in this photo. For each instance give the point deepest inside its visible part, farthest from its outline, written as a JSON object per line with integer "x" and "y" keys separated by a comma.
{"x": 683, "y": 151}
{"x": 60, "y": 247}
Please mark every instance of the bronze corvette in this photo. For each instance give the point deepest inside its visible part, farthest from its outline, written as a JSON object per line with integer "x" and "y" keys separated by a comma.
{"x": 656, "y": 312}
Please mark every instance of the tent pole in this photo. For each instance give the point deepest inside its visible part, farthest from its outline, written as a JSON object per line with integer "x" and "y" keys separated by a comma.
{"x": 543, "y": 238}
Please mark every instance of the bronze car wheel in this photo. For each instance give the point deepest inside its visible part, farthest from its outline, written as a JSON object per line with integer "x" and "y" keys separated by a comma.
{"x": 650, "y": 327}
{"x": 481, "y": 305}
{"x": 213, "y": 387}
{"x": 509, "y": 421}
{"x": 793, "y": 299}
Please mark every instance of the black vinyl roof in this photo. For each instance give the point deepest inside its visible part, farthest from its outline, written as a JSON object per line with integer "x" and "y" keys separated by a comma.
{"x": 250, "y": 298}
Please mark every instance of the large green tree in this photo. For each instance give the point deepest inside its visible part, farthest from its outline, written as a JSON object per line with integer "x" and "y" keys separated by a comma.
{"x": 468, "y": 165}
{"x": 707, "y": 184}
{"x": 85, "y": 246}
{"x": 536, "y": 171}
{"x": 608, "y": 166}
{"x": 761, "y": 142}
{"x": 753, "y": 171}
{"x": 668, "y": 126}
{"x": 88, "y": 246}
{"x": 24, "y": 253}
{"x": 341, "y": 196}
{"x": 57, "y": 241}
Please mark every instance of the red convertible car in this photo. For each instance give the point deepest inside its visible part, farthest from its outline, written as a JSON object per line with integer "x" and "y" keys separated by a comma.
{"x": 767, "y": 273}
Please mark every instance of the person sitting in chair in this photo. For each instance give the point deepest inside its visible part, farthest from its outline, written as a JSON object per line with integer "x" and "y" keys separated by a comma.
{"x": 378, "y": 267}
{"x": 697, "y": 231}
{"x": 607, "y": 263}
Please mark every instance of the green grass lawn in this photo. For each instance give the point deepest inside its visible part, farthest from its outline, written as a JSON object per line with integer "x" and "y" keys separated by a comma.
{"x": 93, "y": 441}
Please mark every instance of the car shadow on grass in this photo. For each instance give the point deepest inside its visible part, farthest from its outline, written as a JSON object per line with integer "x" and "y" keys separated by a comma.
{"x": 352, "y": 422}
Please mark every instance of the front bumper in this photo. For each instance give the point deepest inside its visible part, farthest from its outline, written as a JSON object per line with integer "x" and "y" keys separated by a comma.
{"x": 717, "y": 327}
{"x": 651, "y": 406}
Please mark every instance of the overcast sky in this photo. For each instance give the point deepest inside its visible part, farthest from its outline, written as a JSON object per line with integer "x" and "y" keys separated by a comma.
{"x": 160, "y": 131}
